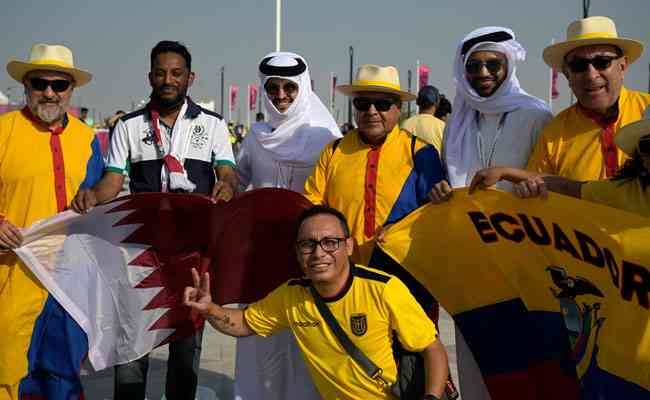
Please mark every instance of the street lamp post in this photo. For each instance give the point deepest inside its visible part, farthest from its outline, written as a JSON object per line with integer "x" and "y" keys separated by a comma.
{"x": 222, "y": 89}
{"x": 351, "y": 72}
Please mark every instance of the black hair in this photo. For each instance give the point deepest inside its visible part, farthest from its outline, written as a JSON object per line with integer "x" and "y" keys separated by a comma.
{"x": 120, "y": 112}
{"x": 83, "y": 109}
{"x": 168, "y": 46}
{"x": 634, "y": 169}
{"x": 444, "y": 107}
{"x": 259, "y": 116}
{"x": 324, "y": 210}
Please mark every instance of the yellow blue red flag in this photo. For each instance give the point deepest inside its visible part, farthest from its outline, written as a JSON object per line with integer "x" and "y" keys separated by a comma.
{"x": 552, "y": 295}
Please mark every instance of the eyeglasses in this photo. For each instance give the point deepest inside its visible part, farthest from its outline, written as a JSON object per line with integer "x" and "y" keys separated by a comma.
{"x": 600, "y": 63}
{"x": 644, "y": 146}
{"x": 328, "y": 244}
{"x": 273, "y": 89}
{"x": 363, "y": 104}
{"x": 474, "y": 66}
{"x": 57, "y": 85}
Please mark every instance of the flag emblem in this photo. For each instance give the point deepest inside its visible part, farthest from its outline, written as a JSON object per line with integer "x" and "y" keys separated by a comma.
{"x": 359, "y": 324}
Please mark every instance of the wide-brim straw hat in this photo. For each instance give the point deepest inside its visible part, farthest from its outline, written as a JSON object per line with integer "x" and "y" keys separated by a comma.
{"x": 587, "y": 32}
{"x": 48, "y": 58}
{"x": 376, "y": 78}
{"x": 627, "y": 137}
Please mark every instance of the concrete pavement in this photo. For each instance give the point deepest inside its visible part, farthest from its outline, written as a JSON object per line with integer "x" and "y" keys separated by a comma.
{"x": 218, "y": 366}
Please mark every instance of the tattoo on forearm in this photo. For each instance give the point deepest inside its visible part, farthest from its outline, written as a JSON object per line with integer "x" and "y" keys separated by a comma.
{"x": 222, "y": 322}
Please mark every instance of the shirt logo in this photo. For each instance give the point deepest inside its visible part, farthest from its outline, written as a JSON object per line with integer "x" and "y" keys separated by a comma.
{"x": 199, "y": 137}
{"x": 149, "y": 136}
{"x": 359, "y": 324}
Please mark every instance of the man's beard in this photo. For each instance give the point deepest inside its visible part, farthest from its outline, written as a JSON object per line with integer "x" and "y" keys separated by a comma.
{"x": 166, "y": 103}
{"x": 45, "y": 112}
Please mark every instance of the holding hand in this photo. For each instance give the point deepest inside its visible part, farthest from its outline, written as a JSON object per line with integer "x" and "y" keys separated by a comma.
{"x": 10, "y": 236}
{"x": 198, "y": 297}
{"x": 440, "y": 192}
{"x": 84, "y": 201}
{"x": 222, "y": 191}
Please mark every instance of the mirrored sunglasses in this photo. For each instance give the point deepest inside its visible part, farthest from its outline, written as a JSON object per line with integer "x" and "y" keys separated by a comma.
{"x": 274, "y": 89}
{"x": 57, "y": 85}
{"x": 474, "y": 66}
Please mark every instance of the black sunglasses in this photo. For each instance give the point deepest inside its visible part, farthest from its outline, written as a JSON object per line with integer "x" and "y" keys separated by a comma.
{"x": 363, "y": 104}
{"x": 600, "y": 63}
{"x": 57, "y": 85}
{"x": 273, "y": 88}
{"x": 474, "y": 66}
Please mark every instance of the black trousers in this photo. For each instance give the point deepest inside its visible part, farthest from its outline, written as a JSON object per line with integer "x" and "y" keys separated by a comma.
{"x": 182, "y": 372}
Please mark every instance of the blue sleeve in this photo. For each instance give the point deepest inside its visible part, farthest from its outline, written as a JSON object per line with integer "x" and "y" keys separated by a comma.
{"x": 94, "y": 166}
{"x": 427, "y": 171}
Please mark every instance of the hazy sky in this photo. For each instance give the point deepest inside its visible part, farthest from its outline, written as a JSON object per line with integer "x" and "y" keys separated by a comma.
{"x": 112, "y": 39}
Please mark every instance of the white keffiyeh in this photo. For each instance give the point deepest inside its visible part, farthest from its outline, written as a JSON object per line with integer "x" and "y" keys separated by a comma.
{"x": 460, "y": 148}
{"x": 299, "y": 134}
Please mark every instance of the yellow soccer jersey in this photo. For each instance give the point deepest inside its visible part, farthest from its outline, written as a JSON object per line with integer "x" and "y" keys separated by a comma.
{"x": 369, "y": 309}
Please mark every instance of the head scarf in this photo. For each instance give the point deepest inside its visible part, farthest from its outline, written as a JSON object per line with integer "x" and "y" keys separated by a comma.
{"x": 460, "y": 148}
{"x": 299, "y": 134}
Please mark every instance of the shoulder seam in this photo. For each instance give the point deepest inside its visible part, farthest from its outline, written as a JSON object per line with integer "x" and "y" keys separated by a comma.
{"x": 133, "y": 114}
{"x": 363, "y": 273}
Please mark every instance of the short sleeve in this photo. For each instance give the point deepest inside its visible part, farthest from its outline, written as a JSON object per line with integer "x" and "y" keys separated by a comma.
{"x": 269, "y": 315}
{"x": 316, "y": 184}
{"x": 222, "y": 149}
{"x": 118, "y": 154}
{"x": 94, "y": 166}
{"x": 414, "y": 329}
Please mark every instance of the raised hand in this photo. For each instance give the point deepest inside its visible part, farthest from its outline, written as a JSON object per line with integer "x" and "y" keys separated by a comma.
{"x": 198, "y": 297}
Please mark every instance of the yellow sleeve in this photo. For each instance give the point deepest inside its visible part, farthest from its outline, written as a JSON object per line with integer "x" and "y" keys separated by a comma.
{"x": 540, "y": 160}
{"x": 268, "y": 315}
{"x": 603, "y": 192}
{"x": 414, "y": 329}
{"x": 316, "y": 184}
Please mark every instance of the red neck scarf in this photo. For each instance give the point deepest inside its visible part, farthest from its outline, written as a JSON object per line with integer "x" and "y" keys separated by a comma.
{"x": 607, "y": 145}
{"x": 58, "y": 165}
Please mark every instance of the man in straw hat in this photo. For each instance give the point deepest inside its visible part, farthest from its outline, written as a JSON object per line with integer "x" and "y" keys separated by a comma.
{"x": 378, "y": 173}
{"x": 46, "y": 155}
{"x": 579, "y": 142}
{"x": 626, "y": 190}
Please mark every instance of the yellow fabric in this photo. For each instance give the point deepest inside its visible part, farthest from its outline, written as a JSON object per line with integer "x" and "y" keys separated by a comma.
{"x": 387, "y": 306}
{"x": 52, "y": 62}
{"x": 426, "y": 127}
{"x": 569, "y": 145}
{"x": 493, "y": 259}
{"x": 625, "y": 195}
{"x": 27, "y": 195}
{"x": 339, "y": 177}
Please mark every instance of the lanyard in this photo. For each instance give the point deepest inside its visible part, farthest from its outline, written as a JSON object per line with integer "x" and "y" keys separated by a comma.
{"x": 493, "y": 146}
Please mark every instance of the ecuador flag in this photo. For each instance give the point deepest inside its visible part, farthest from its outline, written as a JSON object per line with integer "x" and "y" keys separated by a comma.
{"x": 551, "y": 295}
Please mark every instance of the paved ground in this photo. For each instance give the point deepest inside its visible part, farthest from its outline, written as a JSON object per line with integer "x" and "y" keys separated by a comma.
{"x": 217, "y": 367}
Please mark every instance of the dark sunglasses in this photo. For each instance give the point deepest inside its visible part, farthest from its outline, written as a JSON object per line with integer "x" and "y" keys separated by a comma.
{"x": 474, "y": 66}
{"x": 600, "y": 63}
{"x": 644, "y": 145}
{"x": 363, "y": 104}
{"x": 273, "y": 88}
{"x": 57, "y": 85}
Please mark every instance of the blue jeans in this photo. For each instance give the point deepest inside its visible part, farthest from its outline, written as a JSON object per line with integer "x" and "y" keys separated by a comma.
{"x": 182, "y": 372}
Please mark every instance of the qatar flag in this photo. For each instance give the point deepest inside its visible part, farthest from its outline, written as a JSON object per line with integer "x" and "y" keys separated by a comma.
{"x": 120, "y": 270}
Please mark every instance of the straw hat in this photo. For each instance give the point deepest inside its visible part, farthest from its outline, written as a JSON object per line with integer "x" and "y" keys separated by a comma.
{"x": 587, "y": 32}
{"x": 50, "y": 58}
{"x": 376, "y": 78}
{"x": 627, "y": 137}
